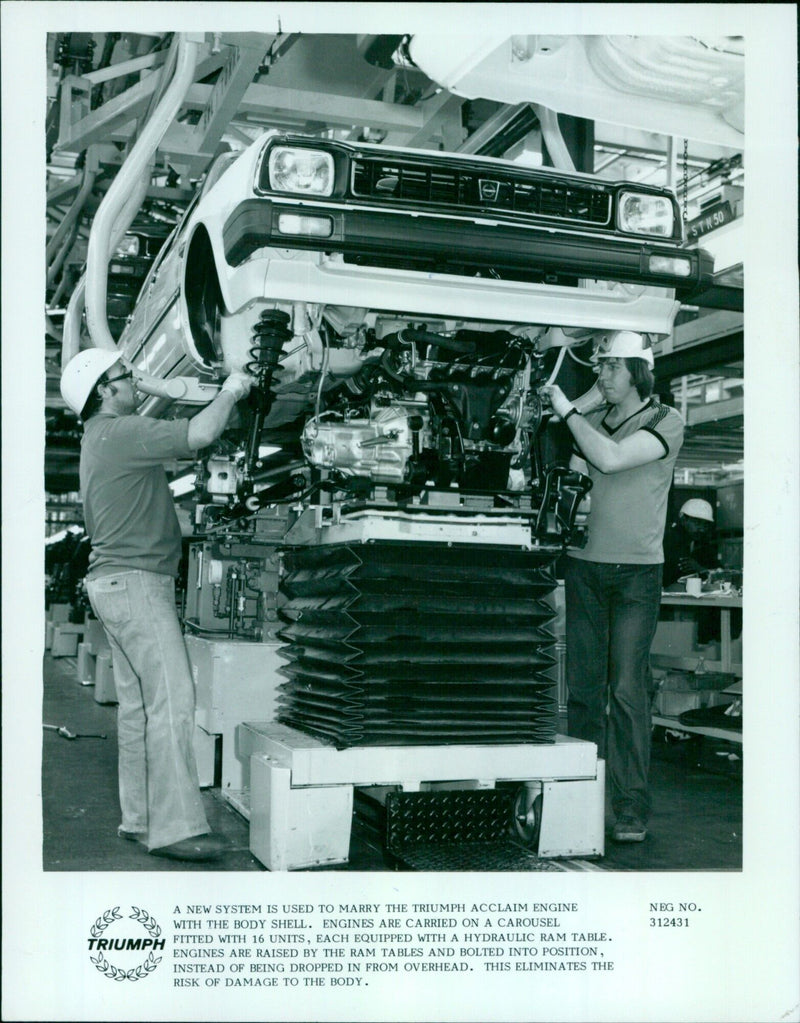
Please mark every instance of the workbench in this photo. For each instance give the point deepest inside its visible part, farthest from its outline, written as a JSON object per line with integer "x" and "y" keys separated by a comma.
{"x": 724, "y": 604}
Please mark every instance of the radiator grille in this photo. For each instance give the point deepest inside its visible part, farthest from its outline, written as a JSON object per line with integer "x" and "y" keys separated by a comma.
{"x": 397, "y": 181}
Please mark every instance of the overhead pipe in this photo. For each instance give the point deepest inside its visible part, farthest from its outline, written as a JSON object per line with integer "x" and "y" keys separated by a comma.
{"x": 554, "y": 140}
{"x": 61, "y": 258}
{"x": 121, "y": 202}
{"x": 71, "y": 342}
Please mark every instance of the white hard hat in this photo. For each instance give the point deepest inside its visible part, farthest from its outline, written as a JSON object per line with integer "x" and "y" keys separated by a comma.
{"x": 625, "y": 344}
{"x": 697, "y": 508}
{"x": 81, "y": 374}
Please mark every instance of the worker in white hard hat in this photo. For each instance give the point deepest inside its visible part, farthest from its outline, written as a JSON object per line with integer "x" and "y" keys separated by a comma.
{"x": 689, "y": 547}
{"x": 136, "y": 547}
{"x": 613, "y": 585}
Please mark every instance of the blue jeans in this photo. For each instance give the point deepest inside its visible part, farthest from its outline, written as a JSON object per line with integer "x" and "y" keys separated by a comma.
{"x": 611, "y": 618}
{"x": 159, "y": 791}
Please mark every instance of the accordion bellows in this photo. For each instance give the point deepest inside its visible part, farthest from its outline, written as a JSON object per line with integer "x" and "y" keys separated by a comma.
{"x": 418, "y": 644}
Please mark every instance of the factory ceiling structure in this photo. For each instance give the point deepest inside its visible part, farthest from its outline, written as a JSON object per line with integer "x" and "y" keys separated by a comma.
{"x": 103, "y": 87}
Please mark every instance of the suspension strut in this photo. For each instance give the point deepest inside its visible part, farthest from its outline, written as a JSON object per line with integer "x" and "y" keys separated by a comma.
{"x": 269, "y": 336}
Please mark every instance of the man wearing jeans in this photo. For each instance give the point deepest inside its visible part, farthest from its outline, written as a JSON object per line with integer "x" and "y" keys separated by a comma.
{"x": 136, "y": 547}
{"x": 613, "y": 585}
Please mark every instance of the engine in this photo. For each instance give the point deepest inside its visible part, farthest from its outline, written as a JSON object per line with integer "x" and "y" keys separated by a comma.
{"x": 436, "y": 409}
{"x": 398, "y": 412}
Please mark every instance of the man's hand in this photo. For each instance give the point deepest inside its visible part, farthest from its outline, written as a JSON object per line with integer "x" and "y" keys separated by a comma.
{"x": 209, "y": 424}
{"x": 238, "y": 384}
{"x": 559, "y": 403}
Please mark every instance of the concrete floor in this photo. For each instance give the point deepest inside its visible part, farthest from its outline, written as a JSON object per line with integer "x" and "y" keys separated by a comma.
{"x": 696, "y": 823}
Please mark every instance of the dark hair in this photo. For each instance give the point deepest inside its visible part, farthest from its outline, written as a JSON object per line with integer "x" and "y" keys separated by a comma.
{"x": 641, "y": 377}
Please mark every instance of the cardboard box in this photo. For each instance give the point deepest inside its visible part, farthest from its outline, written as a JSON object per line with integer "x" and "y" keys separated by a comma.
{"x": 675, "y": 638}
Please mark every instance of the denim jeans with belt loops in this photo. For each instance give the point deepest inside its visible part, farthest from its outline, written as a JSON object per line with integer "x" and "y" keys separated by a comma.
{"x": 611, "y": 618}
{"x": 158, "y": 785}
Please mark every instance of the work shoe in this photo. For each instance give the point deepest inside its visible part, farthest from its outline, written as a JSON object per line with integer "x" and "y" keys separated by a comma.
{"x": 629, "y": 829}
{"x": 132, "y": 836}
{"x": 198, "y": 847}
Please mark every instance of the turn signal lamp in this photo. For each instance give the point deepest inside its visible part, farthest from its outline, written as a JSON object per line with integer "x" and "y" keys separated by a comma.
{"x": 676, "y": 265}
{"x": 302, "y": 171}
{"x": 645, "y": 214}
{"x": 316, "y": 227}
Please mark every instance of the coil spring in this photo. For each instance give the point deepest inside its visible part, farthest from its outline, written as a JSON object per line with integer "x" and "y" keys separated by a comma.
{"x": 269, "y": 336}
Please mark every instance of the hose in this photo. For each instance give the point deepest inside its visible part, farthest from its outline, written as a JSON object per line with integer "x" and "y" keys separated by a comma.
{"x": 557, "y": 367}
{"x": 71, "y": 342}
{"x": 554, "y": 140}
{"x": 73, "y": 213}
{"x": 123, "y": 198}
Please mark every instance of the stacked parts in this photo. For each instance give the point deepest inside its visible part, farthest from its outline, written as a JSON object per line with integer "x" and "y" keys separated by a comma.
{"x": 418, "y": 644}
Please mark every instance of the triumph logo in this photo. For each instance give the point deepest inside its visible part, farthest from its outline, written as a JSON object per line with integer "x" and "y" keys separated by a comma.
{"x": 106, "y": 937}
{"x": 489, "y": 190}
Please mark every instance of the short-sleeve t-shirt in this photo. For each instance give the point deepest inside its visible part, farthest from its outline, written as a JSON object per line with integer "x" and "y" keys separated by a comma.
{"x": 628, "y": 509}
{"x": 128, "y": 508}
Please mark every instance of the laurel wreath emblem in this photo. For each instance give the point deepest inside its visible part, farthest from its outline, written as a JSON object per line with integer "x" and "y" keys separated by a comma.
{"x": 115, "y": 972}
{"x": 146, "y": 920}
{"x": 103, "y": 921}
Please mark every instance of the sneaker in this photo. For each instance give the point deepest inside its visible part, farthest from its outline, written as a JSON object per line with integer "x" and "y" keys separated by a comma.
{"x": 629, "y": 829}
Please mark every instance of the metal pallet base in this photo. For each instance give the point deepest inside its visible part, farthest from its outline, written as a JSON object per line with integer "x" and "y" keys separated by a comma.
{"x": 457, "y": 830}
{"x": 499, "y": 855}
{"x": 302, "y": 789}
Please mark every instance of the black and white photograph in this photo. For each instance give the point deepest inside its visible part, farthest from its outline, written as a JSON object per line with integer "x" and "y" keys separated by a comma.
{"x": 400, "y": 503}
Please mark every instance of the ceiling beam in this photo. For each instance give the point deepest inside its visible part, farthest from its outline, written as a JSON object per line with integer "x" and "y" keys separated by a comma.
{"x": 715, "y": 411}
{"x": 226, "y": 94}
{"x": 636, "y": 141}
{"x": 262, "y": 101}
{"x": 491, "y": 127}
{"x": 442, "y": 116}
{"x": 701, "y": 357}
{"x": 99, "y": 125}
{"x": 125, "y": 67}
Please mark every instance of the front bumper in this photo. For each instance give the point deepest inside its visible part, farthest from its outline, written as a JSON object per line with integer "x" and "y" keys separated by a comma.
{"x": 444, "y": 245}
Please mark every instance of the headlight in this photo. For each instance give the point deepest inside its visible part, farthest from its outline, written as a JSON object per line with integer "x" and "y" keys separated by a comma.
{"x": 645, "y": 214}
{"x": 129, "y": 246}
{"x": 304, "y": 171}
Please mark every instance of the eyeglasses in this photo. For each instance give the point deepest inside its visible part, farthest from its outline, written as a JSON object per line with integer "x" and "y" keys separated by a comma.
{"x": 122, "y": 376}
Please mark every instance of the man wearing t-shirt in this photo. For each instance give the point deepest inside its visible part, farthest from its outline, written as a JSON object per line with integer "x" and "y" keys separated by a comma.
{"x": 613, "y": 585}
{"x": 136, "y": 547}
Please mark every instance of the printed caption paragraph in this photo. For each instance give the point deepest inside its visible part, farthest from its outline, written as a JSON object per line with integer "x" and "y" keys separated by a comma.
{"x": 353, "y": 945}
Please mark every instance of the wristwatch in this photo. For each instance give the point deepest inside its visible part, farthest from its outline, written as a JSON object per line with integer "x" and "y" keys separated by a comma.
{"x": 572, "y": 412}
